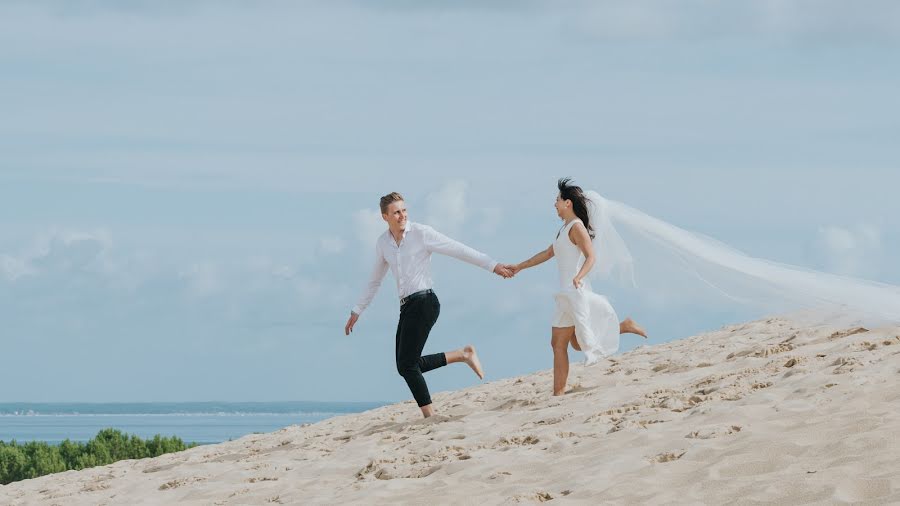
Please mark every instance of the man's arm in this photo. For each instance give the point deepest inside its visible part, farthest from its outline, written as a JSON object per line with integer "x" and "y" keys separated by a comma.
{"x": 378, "y": 272}
{"x": 437, "y": 242}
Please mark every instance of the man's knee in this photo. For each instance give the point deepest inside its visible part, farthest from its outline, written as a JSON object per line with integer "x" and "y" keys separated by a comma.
{"x": 408, "y": 369}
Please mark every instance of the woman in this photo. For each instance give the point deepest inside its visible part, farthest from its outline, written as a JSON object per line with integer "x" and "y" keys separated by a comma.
{"x": 583, "y": 318}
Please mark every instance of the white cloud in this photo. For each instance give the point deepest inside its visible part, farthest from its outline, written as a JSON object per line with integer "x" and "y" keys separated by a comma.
{"x": 13, "y": 268}
{"x": 490, "y": 220}
{"x": 331, "y": 245}
{"x": 61, "y": 251}
{"x": 369, "y": 225}
{"x": 202, "y": 280}
{"x": 447, "y": 209}
{"x": 855, "y": 251}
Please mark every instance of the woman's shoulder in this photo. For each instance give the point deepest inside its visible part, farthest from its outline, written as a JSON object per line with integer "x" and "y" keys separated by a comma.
{"x": 576, "y": 228}
{"x": 575, "y": 223}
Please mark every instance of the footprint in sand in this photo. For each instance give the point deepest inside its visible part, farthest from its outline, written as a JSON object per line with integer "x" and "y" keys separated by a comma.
{"x": 513, "y": 404}
{"x": 539, "y": 496}
{"x": 166, "y": 467}
{"x": 668, "y": 456}
{"x": 742, "y": 353}
{"x": 180, "y": 482}
{"x": 261, "y": 478}
{"x": 376, "y": 469}
{"x": 506, "y": 443}
{"x": 95, "y": 487}
{"x": 714, "y": 432}
{"x": 671, "y": 368}
{"x": 774, "y": 350}
{"x": 578, "y": 389}
{"x": 845, "y": 365}
{"x": 847, "y": 333}
{"x": 386, "y": 469}
{"x": 866, "y": 346}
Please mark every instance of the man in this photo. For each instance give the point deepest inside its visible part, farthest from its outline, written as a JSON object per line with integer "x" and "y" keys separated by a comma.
{"x": 406, "y": 249}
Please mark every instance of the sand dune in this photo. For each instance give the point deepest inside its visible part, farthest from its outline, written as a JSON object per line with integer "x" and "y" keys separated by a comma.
{"x": 764, "y": 412}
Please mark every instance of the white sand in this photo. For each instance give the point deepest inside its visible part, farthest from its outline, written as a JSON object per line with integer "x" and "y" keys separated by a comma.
{"x": 764, "y": 412}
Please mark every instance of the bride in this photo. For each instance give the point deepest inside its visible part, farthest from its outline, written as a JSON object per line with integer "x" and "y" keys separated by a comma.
{"x": 583, "y": 318}
{"x": 590, "y": 243}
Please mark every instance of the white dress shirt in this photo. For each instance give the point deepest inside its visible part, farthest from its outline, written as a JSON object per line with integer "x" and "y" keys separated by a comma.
{"x": 410, "y": 261}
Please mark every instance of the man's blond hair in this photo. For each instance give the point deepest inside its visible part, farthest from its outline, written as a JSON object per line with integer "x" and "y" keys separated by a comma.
{"x": 389, "y": 199}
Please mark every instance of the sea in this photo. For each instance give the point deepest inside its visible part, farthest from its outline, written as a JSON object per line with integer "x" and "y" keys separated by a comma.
{"x": 193, "y": 422}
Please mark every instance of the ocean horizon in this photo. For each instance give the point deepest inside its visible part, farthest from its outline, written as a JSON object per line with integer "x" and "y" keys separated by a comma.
{"x": 205, "y": 422}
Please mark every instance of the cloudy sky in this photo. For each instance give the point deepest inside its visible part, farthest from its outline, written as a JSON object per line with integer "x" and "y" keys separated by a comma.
{"x": 188, "y": 190}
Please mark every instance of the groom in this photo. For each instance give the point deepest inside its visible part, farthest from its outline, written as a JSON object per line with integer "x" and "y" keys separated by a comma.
{"x": 406, "y": 249}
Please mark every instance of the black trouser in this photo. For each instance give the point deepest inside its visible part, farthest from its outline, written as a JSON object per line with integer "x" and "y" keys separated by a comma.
{"x": 417, "y": 317}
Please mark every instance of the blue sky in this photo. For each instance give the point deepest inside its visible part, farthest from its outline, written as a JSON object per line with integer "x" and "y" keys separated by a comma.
{"x": 188, "y": 190}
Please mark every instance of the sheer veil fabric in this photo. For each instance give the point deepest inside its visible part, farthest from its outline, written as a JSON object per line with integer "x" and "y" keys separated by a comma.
{"x": 728, "y": 274}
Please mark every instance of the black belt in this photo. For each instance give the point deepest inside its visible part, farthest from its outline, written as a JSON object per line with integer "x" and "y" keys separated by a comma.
{"x": 416, "y": 295}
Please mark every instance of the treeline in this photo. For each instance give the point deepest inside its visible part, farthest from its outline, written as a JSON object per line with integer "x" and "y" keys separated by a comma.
{"x": 30, "y": 460}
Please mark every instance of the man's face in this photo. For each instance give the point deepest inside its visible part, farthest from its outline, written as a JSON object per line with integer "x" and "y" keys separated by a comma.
{"x": 396, "y": 215}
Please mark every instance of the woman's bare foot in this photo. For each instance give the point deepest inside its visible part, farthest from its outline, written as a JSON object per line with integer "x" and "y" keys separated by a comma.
{"x": 629, "y": 326}
{"x": 471, "y": 358}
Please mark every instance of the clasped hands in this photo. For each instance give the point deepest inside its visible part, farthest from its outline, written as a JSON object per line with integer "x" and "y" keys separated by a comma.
{"x": 506, "y": 271}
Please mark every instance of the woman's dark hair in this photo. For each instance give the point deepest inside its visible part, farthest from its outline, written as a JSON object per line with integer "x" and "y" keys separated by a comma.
{"x": 568, "y": 191}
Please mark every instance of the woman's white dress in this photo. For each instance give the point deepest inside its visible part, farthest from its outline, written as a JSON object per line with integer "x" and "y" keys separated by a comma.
{"x": 595, "y": 321}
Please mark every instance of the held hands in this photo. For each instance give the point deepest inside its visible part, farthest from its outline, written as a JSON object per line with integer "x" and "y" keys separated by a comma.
{"x": 507, "y": 270}
{"x": 350, "y": 323}
{"x": 504, "y": 271}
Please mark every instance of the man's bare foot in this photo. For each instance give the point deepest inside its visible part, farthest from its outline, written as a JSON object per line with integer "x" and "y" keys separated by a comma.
{"x": 629, "y": 326}
{"x": 471, "y": 358}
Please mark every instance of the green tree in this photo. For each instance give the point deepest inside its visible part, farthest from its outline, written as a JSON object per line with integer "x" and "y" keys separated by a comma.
{"x": 30, "y": 460}
{"x": 12, "y": 463}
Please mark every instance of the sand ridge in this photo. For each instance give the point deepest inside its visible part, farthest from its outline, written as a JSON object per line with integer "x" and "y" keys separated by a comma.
{"x": 762, "y": 412}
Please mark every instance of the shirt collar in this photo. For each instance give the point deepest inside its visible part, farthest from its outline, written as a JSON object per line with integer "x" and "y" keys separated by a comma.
{"x": 390, "y": 238}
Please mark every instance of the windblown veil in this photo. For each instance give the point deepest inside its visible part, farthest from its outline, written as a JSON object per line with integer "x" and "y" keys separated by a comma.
{"x": 728, "y": 273}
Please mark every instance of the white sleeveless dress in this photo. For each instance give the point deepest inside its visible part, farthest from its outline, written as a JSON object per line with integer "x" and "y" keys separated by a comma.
{"x": 595, "y": 321}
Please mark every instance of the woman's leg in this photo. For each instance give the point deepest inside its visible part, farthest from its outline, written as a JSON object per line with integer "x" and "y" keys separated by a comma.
{"x": 629, "y": 326}
{"x": 559, "y": 341}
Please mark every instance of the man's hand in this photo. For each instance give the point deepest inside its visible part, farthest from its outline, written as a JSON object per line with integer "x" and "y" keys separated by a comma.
{"x": 503, "y": 271}
{"x": 350, "y": 323}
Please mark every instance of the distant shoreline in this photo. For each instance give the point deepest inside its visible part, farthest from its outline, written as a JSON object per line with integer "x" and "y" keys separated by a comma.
{"x": 199, "y": 422}
{"x": 187, "y": 407}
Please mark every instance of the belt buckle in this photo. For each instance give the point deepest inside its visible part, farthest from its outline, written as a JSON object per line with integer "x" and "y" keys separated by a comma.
{"x": 404, "y": 300}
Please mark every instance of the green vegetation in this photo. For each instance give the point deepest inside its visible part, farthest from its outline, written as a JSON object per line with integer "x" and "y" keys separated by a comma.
{"x": 30, "y": 460}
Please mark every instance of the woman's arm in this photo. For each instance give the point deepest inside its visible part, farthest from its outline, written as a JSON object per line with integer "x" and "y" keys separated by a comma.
{"x": 582, "y": 239}
{"x": 538, "y": 259}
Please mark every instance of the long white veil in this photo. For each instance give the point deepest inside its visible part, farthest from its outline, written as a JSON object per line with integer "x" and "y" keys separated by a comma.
{"x": 728, "y": 273}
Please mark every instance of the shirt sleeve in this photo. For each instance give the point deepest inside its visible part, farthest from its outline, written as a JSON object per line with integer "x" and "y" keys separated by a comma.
{"x": 437, "y": 242}
{"x": 378, "y": 271}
